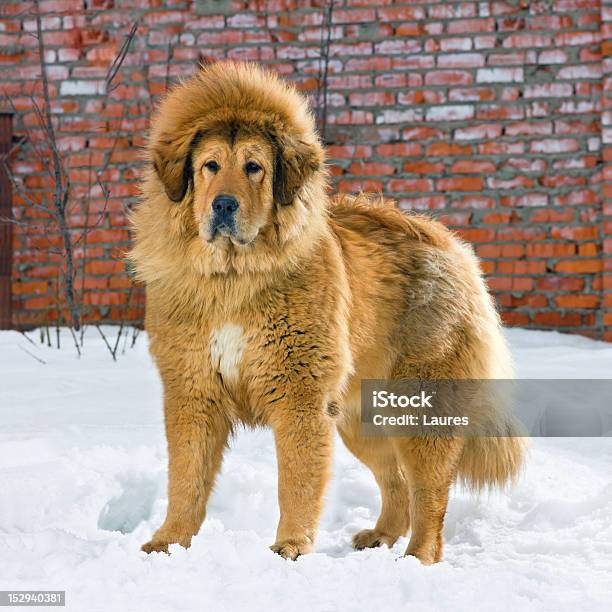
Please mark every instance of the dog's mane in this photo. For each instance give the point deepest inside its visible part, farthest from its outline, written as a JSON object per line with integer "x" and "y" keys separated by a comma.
{"x": 224, "y": 98}
{"x": 228, "y": 93}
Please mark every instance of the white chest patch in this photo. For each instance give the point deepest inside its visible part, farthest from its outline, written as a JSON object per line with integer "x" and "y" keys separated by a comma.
{"x": 226, "y": 347}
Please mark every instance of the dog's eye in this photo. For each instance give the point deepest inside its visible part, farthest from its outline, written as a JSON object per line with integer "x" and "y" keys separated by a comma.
{"x": 252, "y": 167}
{"x": 212, "y": 165}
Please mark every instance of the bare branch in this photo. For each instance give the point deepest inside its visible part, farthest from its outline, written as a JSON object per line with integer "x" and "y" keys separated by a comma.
{"x": 57, "y": 202}
{"x": 23, "y": 224}
{"x": 29, "y": 136}
{"x": 325, "y": 57}
{"x": 76, "y": 342}
{"x": 22, "y": 192}
{"x": 127, "y": 306}
{"x": 60, "y": 198}
{"x": 118, "y": 61}
{"x": 27, "y": 338}
{"x": 108, "y": 346}
{"x": 135, "y": 334}
{"x": 168, "y": 60}
{"x": 13, "y": 149}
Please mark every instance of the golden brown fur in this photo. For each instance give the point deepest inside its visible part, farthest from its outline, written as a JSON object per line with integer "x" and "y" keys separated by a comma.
{"x": 276, "y": 322}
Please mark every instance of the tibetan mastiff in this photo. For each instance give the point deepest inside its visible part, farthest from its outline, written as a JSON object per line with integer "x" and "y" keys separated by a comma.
{"x": 268, "y": 302}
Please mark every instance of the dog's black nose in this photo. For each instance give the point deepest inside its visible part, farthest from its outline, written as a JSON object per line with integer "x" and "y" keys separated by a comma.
{"x": 223, "y": 220}
{"x": 225, "y": 205}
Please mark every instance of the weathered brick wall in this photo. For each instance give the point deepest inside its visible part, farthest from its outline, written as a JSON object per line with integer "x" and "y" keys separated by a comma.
{"x": 606, "y": 214}
{"x": 486, "y": 114}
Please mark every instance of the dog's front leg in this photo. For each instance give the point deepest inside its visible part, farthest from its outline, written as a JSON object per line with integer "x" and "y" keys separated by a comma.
{"x": 196, "y": 439}
{"x": 304, "y": 439}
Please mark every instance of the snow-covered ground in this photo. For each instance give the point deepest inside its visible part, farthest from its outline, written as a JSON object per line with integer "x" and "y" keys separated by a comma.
{"x": 82, "y": 486}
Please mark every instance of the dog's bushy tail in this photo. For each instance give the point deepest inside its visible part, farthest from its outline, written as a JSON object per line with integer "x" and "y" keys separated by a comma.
{"x": 492, "y": 461}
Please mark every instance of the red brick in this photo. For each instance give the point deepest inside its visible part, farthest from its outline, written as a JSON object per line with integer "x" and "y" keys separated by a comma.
{"x": 521, "y": 267}
{"x": 360, "y": 185}
{"x": 40, "y": 303}
{"x": 464, "y": 26}
{"x": 353, "y": 16}
{"x": 560, "y": 283}
{"x": 566, "y": 39}
{"x": 577, "y": 301}
{"x": 349, "y": 151}
{"x": 496, "y": 219}
{"x": 472, "y": 167}
{"x": 557, "y": 319}
{"x": 410, "y": 29}
{"x": 562, "y": 181}
{"x": 550, "y": 249}
{"x": 444, "y": 149}
{"x": 404, "y": 185}
{"x": 423, "y": 133}
{"x": 528, "y": 199}
{"x": 476, "y": 234}
{"x": 589, "y": 249}
{"x": 579, "y": 266}
{"x": 423, "y": 167}
{"x": 515, "y": 318}
{"x": 575, "y": 233}
{"x": 104, "y": 267}
{"x": 29, "y": 288}
{"x": 501, "y": 148}
{"x": 379, "y": 98}
{"x": 513, "y": 183}
{"x": 461, "y": 184}
{"x": 448, "y": 77}
{"x": 527, "y": 39}
{"x": 404, "y": 13}
{"x": 400, "y": 149}
{"x": 371, "y": 168}
{"x": 577, "y": 198}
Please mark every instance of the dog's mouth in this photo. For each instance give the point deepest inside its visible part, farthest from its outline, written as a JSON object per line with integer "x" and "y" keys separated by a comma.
{"x": 222, "y": 230}
{"x": 224, "y": 235}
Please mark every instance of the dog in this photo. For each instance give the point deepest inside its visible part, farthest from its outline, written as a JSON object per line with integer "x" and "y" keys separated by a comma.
{"x": 268, "y": 301}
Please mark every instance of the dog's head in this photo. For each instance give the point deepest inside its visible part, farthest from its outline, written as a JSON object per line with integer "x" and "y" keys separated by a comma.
{"x": 235, "y": 176}
{"x": 238, "y": 158}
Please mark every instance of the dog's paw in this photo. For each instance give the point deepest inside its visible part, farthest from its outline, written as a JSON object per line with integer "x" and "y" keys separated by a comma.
{"x": 292, "y": 548}
{"x": 160, "y": 543}
{"x": 155, "y": 546}
{"x": 426, "y": 554}
{"x": 372, "y": 538}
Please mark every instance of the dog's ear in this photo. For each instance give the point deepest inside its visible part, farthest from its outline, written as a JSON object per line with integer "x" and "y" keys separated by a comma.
{"x": 295, "y": 162}
{"x": 171, "y": 157}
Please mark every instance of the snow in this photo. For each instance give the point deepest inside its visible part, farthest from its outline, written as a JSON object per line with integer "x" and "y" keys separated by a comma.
{"x": 82, "y": 486}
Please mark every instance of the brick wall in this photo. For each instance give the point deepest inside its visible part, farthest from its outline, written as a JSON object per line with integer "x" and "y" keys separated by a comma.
{"x": 485, "y": 114}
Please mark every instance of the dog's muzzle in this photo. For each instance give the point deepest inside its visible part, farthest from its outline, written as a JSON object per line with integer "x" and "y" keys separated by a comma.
{"x": 223, "y": 219}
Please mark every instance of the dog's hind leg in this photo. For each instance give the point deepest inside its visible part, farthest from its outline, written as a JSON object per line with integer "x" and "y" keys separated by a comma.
{"x": 378, "y": 455}
{"x": 430, "y": 465}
